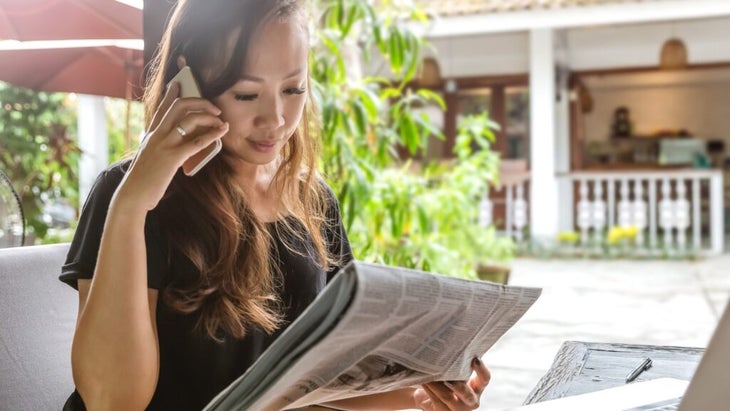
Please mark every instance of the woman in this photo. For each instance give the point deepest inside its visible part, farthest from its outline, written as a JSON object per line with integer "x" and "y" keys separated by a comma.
{"x": 184, "y": 281}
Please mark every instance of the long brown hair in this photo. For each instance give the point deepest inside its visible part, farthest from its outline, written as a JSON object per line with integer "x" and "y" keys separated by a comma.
{"x": 207, "y": 217}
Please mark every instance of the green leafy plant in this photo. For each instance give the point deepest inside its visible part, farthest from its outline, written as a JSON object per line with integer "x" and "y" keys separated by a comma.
{"x": 408, "y": 213}
{"x": 125, "y": 121}
{"x": 615, "y": 242}
{"x": 36, "y": 151}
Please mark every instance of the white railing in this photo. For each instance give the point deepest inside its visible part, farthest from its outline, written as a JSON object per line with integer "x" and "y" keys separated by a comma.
{"x": 515, "y": 201}
{"x": 672, "y": 210}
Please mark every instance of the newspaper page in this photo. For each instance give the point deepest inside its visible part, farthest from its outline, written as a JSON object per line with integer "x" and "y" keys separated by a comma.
{"x": 401, "y": 328}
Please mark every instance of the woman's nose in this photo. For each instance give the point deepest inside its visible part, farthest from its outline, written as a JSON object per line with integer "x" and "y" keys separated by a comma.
{"x": 270, "y": 115}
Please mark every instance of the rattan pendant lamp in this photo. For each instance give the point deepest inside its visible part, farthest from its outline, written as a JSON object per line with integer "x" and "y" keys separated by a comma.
{"x": 430, "y": 75}
{"x": 673, "y": 55}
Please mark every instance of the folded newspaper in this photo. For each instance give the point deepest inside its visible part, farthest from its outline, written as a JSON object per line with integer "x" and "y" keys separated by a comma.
{"x": 377, "y": 328}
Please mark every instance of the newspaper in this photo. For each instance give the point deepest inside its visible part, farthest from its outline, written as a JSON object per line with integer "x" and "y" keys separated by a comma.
{"x": 378, "y": 328}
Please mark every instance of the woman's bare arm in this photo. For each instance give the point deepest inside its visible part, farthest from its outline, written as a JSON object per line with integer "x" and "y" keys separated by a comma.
{"x": 114, "y": 355}
{"x": 392, "y": 400}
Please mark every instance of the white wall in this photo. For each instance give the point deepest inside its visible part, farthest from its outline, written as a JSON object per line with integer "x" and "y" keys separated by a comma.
{"x": 590, "y": 48}
{"x": 707, "y": 41}
{"x": 698, "y": 101}
{"x": 502, "y": 53}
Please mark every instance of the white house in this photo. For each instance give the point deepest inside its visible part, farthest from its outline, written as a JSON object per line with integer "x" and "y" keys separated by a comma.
{"x": 554, "y": 72}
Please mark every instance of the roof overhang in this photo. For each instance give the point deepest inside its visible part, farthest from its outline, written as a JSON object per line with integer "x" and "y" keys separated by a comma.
{"x": 586, "y": 16}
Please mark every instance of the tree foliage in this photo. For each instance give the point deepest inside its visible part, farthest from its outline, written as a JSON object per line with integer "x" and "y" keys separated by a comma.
{"x": 398, "y": 212}
{"x": 37, "y": 152}
{"x": 125, "y": 122}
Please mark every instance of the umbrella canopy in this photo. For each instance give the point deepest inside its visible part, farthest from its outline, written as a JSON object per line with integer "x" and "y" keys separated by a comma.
{"x": 28, "y": 20}
{"x": 72, "y": 46}
{"x": 103, "y": 70}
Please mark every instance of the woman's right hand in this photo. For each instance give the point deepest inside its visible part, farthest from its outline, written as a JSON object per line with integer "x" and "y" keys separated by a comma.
{"x": 164, "y": 148}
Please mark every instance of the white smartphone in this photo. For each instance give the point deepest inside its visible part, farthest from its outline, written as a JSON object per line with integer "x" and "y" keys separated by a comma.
{"x": 189, "y": 88}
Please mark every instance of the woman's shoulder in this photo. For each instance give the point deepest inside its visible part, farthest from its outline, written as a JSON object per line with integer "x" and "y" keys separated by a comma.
{"x": 332, "y": 204}
{"x": 116, "y": 171}
{"x": 112, "y": 176}
{"x": 325, "y": 188}
{"x": 107, "y": 182}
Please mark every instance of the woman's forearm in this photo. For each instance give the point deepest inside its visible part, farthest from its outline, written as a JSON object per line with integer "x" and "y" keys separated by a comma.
{"x": 115, "y": 356}
{"x": 392, "y": 400}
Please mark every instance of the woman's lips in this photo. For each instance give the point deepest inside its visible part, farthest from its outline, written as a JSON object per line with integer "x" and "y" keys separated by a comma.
{"x": 266, "y": 146}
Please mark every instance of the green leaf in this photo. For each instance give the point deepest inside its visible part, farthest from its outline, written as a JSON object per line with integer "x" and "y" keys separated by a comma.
{"x": 360, "y": 117}
{"x": 409, "y": 133}
{"x": 353, "y": 14}
{"x": 395, "y": 50}
{"x": 413, "y": 56}
{"x": 340, "y": 13}
{"x": 430, "y": 95}
{"x": 369, "y": 100}
{"x": 389, "y": 93}
{"x": 423, "y": 219}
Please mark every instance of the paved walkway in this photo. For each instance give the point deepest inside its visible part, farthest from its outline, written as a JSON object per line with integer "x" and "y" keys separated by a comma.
{"x": 641, "y": 302}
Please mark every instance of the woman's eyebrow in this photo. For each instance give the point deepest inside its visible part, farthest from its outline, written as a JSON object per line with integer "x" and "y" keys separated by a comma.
{"x": 246, "y": 77}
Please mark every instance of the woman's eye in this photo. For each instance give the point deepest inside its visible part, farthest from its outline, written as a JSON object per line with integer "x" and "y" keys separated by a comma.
{"x": 252, "y": 97}
{"x": 246, "y": 97}
{"x": 297, "y": 90}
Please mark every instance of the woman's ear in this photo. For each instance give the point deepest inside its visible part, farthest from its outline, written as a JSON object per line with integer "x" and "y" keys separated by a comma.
{"x": 181, "y": 62}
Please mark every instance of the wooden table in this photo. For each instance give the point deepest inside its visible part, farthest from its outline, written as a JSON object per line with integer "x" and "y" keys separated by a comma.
{"x": 582, "y": 367}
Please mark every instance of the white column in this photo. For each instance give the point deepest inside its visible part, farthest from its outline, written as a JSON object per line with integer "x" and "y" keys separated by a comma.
{"x": 93, "y": 141}
{"x": 562, "y": 132}
{"x": 717, "y": 222}
{"x": 544, "y": 184}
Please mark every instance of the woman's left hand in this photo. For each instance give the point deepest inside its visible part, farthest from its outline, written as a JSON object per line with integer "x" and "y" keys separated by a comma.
{"x": 454, "y": 395}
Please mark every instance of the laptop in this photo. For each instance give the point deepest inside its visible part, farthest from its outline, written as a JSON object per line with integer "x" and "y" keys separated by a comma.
{"x": 709, "y": 389}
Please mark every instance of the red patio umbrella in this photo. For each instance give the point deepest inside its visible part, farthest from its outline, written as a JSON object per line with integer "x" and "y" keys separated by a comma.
{"x": 99, "y": 69}
{"x": 27, "y": 20}
{"x": 102, "y": 69}
{"x": 95, "y": 67}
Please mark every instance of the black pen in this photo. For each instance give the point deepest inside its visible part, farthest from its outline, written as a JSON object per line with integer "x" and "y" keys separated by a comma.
{"x": 645, "y": 365}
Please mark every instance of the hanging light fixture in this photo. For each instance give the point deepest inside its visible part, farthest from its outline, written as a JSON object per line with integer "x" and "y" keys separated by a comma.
{"x": 430, "y": 75}
{"x": 673, "y": 55}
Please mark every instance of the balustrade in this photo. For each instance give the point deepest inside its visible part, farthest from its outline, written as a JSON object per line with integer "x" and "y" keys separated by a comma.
{"x": 516, "y": 213}
{"x": 673, "y": 210}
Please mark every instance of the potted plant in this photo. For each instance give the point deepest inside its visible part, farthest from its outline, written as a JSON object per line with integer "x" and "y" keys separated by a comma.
{"x": 494, "y": 265}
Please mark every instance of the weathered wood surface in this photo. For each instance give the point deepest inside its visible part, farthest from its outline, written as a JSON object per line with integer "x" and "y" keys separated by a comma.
{"x": 581, "y": 367}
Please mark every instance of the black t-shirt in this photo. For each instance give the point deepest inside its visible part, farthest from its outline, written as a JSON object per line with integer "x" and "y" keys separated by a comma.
{"x": 194, "y": 367}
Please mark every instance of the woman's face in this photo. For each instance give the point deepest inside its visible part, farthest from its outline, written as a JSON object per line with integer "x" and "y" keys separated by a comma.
{"x": 265, "y": 106}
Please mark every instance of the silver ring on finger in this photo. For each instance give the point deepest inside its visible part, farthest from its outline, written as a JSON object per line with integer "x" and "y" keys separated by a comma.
{"x": 181, "y": 130}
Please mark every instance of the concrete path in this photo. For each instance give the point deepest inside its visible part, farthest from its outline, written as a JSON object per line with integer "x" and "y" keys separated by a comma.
{"x": 640, "y": 302}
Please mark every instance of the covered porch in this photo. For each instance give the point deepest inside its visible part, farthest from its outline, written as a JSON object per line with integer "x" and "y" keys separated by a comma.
{"x": 553, "y": 79}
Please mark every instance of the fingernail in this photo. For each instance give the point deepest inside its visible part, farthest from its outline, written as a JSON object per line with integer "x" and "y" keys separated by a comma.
{"x": 477, "y": 361}
{"x": 449, "y": 385}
